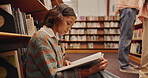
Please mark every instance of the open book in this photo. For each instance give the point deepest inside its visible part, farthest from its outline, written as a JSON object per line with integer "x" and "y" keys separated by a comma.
{"x": 82, "y": 61}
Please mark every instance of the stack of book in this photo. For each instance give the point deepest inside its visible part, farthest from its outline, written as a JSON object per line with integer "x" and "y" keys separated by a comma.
{"x": 18, "y": 21}
{"x": 137, "y": 34}
{"x": 136, "y": 48}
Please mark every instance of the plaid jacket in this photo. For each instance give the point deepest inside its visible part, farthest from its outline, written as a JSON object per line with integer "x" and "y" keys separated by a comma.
{"x": 45, "y": 56}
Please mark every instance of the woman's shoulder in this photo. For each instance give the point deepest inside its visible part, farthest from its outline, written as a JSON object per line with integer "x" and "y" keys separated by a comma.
{"x": 39, "y": 36}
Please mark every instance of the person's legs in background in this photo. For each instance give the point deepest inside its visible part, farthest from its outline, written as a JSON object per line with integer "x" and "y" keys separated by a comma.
{"x": 143, "y": 73}
{"x": 127, "y": 20}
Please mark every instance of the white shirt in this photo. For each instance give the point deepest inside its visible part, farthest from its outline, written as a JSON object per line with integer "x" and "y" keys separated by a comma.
{"x": 50, "y": 32}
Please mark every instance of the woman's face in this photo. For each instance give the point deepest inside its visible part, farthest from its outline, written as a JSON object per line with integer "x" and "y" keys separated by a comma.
{"x": 65, "y": 24}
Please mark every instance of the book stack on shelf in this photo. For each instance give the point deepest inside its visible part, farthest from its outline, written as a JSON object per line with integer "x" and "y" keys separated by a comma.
{"x": 81, "y": 18}
{"x": 137, "y": 34}
{"x": 136, "y": 48}
{"x": 93, "y": 33}
{"x": 16, "y": 28}
{"x": 20, "y": 22}
{"x": 136, "y": 45}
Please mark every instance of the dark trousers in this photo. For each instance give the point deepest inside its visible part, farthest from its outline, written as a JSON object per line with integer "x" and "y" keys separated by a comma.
{"x": 127, "y": 20}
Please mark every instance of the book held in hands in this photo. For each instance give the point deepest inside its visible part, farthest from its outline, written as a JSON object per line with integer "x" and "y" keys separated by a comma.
{"x": 83, "y": 61}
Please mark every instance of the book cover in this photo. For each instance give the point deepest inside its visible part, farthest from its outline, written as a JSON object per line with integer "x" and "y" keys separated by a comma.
{"x": 7, "y": 23}
{"x": 83, "y": 61}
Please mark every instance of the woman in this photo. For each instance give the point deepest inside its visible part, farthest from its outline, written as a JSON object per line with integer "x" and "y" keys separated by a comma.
{"x": 44, "y": 53}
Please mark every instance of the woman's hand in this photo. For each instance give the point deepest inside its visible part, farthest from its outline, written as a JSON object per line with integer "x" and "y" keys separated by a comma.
{"x": 67, "y": 63}
{"x": 99, "y": 66}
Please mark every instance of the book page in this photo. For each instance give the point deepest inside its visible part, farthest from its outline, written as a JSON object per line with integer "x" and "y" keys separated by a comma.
{"x": 82, "y": 61}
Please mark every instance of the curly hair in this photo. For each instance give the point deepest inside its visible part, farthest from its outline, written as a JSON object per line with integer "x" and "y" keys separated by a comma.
{"x": 56, "y": 14}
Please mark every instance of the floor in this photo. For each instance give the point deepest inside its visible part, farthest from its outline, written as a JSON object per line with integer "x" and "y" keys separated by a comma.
{"x": 112, "y": 67}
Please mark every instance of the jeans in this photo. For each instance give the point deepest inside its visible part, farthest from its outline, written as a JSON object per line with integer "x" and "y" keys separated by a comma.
{"x": 104, "y": 74}
{"x": 127, "y": 20}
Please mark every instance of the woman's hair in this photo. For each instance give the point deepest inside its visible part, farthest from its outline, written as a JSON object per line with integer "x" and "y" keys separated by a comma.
{"x": 146, "y": 3}
{"x": 56, "y": 14}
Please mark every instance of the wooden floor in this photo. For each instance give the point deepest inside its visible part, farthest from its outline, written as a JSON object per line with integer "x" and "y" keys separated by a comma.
{"x": 112, "y": 67}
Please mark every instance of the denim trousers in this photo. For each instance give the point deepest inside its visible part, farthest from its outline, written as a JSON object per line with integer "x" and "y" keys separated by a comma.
{"x": 104, "y": 74}
{"x": 127, "y": 20}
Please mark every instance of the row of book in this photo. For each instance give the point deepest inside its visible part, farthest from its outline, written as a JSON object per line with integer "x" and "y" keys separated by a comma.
{"x": 136, "y": 48}
{"x": 92, "y": 45}
{"x": 111, "y": 24}
{"x": 102, "y": 18}
{"x": 137, "y": 34}
{"x": 91, "y": 38}
{"x": 111, "y": 31}
{"x": 94, "y": 31}
{"x": 96, "y": 24}
{"x": 77, "y": 31}
{"x": 81, "y": 24}
{"x": 111, "y": 38}
{"x": 19, "y": 21}
{"x": 111, "y": 45}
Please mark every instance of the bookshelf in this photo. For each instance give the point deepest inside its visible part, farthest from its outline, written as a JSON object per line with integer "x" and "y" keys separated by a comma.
{"x": 20, "y": 38}
{"x": 22, "y": 19}
{"x": 36, "y": 8}
{"x": 136, "y": 45}
{"x": 92, "y": 34}
{"x": 10, "y": 41}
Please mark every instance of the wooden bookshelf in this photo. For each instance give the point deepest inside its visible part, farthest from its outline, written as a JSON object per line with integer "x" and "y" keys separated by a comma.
{"x": 137, "y": 40}
{"x": 90, "y": 51}
{"x": 92, "y": 48}
{"x": 95, "y": 32}
{"x": 95, "y": 27}
{"x": 34, "y": 7}
{"x": 6, "y": 35}
{"x": 88, "y": 41}
{"x": 135, "y": 54}
{"x": 18, "y": 42}
{"x": 92, "y": 34}
{"x": 137, "y": 26}
{"x": 136, "y": 44}
{"x": 134, "y": 59}
{"x": 97, "y": 21}
{"x": 11, "y": 41}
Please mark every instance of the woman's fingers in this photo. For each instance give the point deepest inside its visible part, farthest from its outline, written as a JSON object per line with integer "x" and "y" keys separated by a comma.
{"x": 67, "y": 62}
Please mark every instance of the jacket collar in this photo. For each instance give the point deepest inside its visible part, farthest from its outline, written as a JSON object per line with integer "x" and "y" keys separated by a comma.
{"x": 50, "y": 32}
